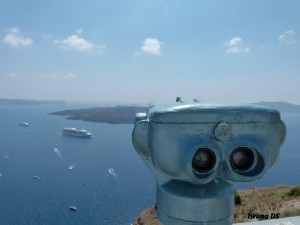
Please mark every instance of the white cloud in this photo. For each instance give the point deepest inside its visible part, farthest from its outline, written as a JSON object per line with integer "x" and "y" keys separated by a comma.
{"x": 151, "y": 46}
{"x": 247, "y": 49}
{"x": 74, "y": 42}
{"x": 14, "y": 30}
{"x": 233, "y": 50}
{"x": 50, "y": 76}
{"x": 235, "y": 45}
{"x": 234, "y": 41}
{"x": 288, "y": 37}
{"x": 79, "y": 31}
{"x": 69, "y": 76}
{"x": 15, "y": 39}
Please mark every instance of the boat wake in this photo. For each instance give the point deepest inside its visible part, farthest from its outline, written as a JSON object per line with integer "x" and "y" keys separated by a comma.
{"x": 57, "y": 152}
{"x": 112, "y": 172}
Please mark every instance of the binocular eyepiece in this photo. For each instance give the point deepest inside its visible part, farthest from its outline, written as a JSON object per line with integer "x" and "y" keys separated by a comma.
{"x": 198, "y": 151}
{"x": 241, "y": 160}
{"x": 204, "y": 160}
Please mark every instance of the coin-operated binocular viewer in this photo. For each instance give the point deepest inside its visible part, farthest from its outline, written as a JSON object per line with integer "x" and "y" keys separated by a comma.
{"x": 198, "y": 151}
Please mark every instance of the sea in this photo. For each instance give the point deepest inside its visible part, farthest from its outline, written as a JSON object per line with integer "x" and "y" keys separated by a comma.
{"x": 43, "y": 173}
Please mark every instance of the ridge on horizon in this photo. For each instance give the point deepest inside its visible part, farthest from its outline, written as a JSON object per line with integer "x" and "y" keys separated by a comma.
{"x": 122, "y": 114}
{"x": 282, "y": 106}
{"x": 20, "y": 101}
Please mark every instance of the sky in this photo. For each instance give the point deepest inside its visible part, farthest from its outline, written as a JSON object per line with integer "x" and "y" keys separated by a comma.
{"x": 136, "y": 51}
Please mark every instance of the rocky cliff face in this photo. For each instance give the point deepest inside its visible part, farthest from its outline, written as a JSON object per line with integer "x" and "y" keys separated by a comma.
{"x": 147, "y": 217}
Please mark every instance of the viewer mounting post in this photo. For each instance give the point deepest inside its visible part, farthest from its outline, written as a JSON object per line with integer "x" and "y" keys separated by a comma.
{"x": 197, "y": 151}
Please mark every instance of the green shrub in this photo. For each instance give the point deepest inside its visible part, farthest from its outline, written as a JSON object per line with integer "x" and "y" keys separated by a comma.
{"x": 289, "y": 213}
{"x": 295, "y": 191}
{"x": 237, "y": 198}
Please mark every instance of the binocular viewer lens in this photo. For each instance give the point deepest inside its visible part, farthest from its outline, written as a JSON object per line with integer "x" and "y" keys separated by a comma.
{"x": 241, "y": 159}
{"x": 204, "y": 160}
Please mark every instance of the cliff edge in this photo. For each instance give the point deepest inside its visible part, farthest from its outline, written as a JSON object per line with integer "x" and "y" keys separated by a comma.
{"x": 252, "y": 204}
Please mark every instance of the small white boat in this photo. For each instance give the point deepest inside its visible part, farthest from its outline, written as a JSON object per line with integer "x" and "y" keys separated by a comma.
{"x": 24, "y": 124}
{"x": 73, "y": 208}
{"x": 72, "y": 166}
{"x": 112, "y": 172}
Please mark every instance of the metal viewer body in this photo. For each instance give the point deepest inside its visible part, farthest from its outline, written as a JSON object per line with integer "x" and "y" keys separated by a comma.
{"x": 197, "y": 151}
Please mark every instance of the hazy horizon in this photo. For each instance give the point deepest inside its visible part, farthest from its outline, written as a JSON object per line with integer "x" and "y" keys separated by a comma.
{"x": 280, "y": 105}
{"x": 150, "y": 51}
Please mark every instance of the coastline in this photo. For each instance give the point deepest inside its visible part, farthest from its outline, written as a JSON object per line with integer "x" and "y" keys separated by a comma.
{"x": 124, "y": 114}
{"x": 111, "y": 115}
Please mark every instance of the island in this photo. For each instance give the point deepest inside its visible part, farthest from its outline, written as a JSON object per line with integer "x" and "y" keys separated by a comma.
{"x": 281, "y": 106}
{"x": 112, "y": 115}
{"x": 122, "y": 114}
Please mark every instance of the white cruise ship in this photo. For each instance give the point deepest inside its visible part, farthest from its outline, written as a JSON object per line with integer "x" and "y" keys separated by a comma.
{"x": 75, "y": 132}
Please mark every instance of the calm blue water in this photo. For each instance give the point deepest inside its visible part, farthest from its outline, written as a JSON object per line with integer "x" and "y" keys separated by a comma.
{"x": 100, "y": 197}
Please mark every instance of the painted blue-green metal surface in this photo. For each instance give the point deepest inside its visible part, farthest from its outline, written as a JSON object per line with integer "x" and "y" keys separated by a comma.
{"x": 168, "y": 138}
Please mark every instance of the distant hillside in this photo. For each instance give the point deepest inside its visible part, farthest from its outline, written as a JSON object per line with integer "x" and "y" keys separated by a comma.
{"x": 281, "y": 106}
{"x": 126, "y": 114}
{"x": 112, "y": 115}
{"x": 7, "y": 101}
